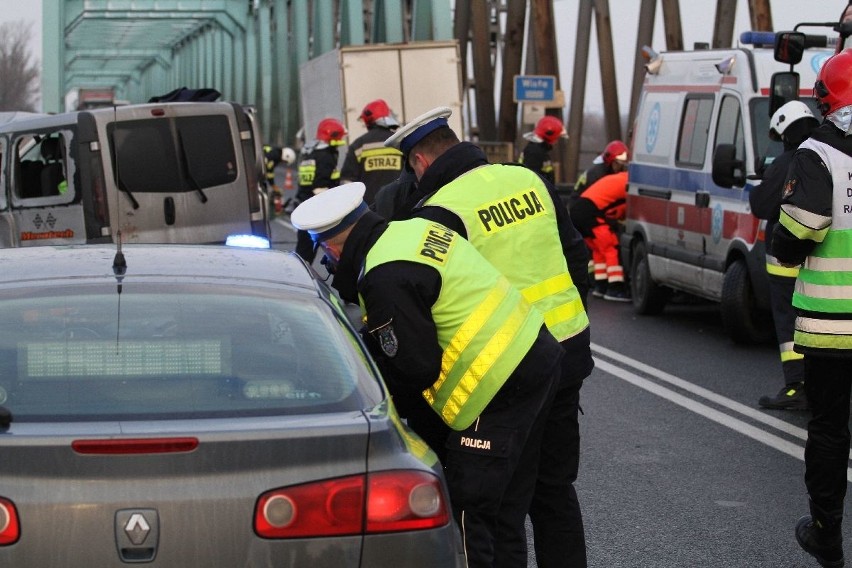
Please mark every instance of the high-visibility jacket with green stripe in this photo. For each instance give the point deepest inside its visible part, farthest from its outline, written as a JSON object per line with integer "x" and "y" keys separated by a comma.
{"x": 824, "y": 284}
{"x": 509, "y": 217}
{"x": 484, "y": 325}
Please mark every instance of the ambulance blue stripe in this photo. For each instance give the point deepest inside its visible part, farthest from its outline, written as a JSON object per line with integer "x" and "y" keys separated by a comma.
{"x": 691, "y": 181}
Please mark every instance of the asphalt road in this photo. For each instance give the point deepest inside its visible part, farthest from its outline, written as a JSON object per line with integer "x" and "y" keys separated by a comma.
{"x": 679, "y": 466}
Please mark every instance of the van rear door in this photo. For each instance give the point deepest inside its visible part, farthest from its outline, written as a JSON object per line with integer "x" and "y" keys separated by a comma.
{"x": 176, "y": 172}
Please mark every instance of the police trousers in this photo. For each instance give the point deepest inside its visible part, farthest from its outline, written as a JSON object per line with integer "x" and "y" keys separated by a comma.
{"x": 828, "y": 385}
{"x": 555, "y": 509}
{"x": 495, "y": 459}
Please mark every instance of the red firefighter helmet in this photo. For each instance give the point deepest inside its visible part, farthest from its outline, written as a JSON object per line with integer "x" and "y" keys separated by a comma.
{"x": 833, "y": 87}
{"x": 615, "y": 150}
{"x": 549, "y": 129}
{"x": 373, "y": 111}
{"x": 331, "y": 131}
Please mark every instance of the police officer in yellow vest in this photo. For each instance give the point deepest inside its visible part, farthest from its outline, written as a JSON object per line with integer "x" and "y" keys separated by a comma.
{"x": 514, "y": 218}
{"x": 815, "y": 227}
{"x": 451, "y": 328}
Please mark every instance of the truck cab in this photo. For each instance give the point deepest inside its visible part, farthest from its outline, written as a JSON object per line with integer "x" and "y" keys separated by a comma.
{"x": 699, "y": 142}
{"x": 184, "y": 172}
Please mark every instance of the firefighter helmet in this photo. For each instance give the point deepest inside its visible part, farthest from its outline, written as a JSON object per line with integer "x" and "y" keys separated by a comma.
{"x": 833, "y": 87}
{"x": 288, "y": 156}
{"x": 550, "y": 129}
{"x": 373, "y": 111}
{"x": 786, "y": 115}
{"x": 331, "y": 131}
{"x": 615, "y": 150}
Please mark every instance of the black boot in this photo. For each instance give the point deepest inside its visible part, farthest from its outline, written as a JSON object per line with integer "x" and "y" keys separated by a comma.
{"x": 823, "y": 542}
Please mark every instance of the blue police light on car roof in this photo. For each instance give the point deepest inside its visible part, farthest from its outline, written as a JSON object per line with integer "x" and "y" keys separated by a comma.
{"x": 247, "y": 241}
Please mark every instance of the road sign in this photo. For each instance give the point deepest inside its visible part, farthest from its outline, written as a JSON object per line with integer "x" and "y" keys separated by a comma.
{"x": 534, "y": 88}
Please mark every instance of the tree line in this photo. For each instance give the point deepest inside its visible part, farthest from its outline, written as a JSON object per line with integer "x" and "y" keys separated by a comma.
{"x": 19, "y": 86}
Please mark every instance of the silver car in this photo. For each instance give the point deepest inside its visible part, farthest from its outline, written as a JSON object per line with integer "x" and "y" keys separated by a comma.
{"x": 200, "y": 406}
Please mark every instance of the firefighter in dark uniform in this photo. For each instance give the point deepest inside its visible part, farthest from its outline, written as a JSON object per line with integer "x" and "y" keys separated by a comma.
{"x": 318, "y": 172}
{"x": 612, "y": 160}
{"x": 536, "y": 155}
{"x": 792, "y": 124}
{"x": 451, "y": 329}
{"x": 815, "y": 232}
{"x": 509, "y": 212}
{"x": 368, "y": 160}
{"x": 272, "y": 156}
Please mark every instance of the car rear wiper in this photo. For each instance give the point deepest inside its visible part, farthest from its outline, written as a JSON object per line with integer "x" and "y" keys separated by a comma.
{"x": 133, "y": 201}
{"x": 195, "y": 185}
{"x": 5, "y": 418}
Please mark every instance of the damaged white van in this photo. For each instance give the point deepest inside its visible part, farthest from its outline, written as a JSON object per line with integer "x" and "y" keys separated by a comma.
{"x": 176, "y": 172}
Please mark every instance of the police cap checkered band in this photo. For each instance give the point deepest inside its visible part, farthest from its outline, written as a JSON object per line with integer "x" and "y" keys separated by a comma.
{"x": 330, "y": 212}
{"x": 406, "y": 137}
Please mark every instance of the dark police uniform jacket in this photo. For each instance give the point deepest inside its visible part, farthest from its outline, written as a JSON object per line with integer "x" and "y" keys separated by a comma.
{"x": 404, "y": 292}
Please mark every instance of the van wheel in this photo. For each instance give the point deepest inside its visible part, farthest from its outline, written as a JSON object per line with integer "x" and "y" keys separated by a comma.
{"x": 648, "y": 298}
{"x": 741, "y": 318}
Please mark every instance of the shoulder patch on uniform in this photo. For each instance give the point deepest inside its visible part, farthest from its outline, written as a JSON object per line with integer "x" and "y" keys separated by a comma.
{"x": 386, "y": 337}
{"x": 789, "y": 187}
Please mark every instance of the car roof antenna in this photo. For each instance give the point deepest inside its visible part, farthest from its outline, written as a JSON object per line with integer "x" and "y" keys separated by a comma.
{"x": 119, "y": 264}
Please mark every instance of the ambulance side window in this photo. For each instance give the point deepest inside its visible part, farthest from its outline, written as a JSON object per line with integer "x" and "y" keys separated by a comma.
{"x": 729, "y": 128}
{"x": 694, "y": 130}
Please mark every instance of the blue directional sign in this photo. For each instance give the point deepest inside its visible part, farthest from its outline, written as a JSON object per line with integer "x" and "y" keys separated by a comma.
{"x": 534, "y": 88}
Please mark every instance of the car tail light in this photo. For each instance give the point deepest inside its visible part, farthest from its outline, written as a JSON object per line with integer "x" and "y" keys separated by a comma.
{"x": 9, "y": 528}
{"x": 388, "y": 501}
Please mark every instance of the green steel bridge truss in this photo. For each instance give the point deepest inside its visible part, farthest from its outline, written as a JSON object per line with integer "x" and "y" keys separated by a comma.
{"x": 249, "y": 50}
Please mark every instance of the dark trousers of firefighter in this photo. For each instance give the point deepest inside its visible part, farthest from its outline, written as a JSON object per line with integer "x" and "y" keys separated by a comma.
{"x": 828, "y": 382}
{"x": 481, "y": 479}
{"x": 784, "y": 315}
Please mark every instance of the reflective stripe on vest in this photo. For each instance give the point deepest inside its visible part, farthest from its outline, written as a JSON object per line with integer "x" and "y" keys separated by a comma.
{"x": 484, "y": 326}
{"x": 508, "y": 216}
{"x": 824, "y": 284}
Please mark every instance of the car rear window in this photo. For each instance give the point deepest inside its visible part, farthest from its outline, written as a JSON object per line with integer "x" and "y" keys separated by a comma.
{"x": 89, "y": 353}
{"x": 174, "y": 155}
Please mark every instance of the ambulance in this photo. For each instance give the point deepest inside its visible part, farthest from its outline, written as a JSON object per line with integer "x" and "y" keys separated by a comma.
{"x": 176, "y": 172}
{"x": 698, "y": 145}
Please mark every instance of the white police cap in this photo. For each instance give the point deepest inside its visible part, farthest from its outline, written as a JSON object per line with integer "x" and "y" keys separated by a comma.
{"x": 330, "y": 212}
{"x": 406, "y": 137}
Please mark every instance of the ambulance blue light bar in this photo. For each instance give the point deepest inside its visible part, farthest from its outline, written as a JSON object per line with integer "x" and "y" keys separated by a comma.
{"x": 768, "y": 39}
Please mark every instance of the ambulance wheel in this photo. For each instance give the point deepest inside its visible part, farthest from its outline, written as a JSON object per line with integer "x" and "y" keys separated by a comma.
{"x": 744, "y": 322}
{"x": 648, "y": 297}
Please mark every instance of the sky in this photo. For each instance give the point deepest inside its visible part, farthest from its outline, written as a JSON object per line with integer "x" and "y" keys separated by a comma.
{"x": 697, "y": 17}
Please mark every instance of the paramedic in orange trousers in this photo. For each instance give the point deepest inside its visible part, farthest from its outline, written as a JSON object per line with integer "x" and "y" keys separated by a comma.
{"x": 596, "y": 214}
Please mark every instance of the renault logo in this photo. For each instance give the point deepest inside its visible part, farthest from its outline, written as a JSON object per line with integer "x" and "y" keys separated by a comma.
{"x": 137, "y": 528}
{"x": 137, "y": 534}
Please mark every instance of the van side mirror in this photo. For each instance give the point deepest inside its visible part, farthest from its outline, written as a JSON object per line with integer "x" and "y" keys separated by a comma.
{"x": 783, "y": 88}
{"x": 789, "y": 47}
{"x": 728, "y": 171}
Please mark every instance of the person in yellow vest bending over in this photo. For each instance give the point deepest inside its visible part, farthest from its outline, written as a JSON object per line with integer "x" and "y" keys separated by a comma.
{"x": 451, "y": 329}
